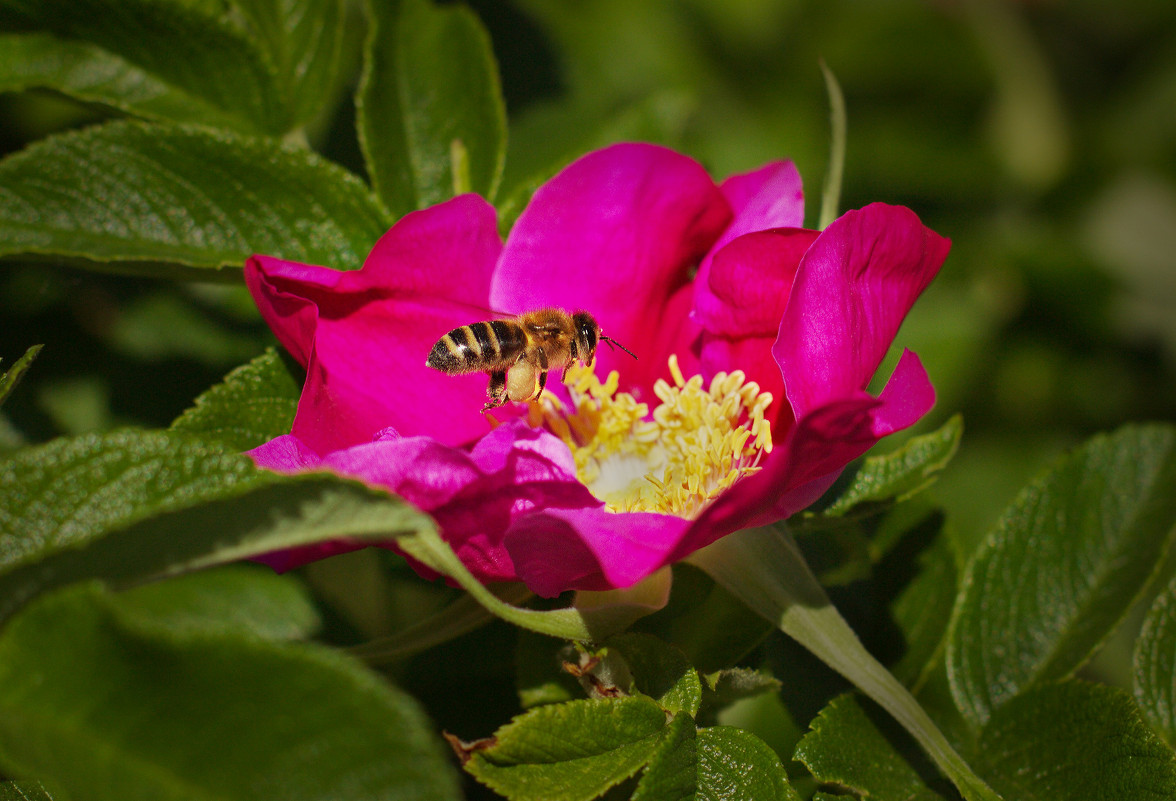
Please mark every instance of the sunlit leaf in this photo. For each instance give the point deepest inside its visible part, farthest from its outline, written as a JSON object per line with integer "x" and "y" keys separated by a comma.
{"x": 430, "y": 93}
{"x": 128, "y": 196}
{"x": 1062, "y": 567}
{"x": 130, "y": 506}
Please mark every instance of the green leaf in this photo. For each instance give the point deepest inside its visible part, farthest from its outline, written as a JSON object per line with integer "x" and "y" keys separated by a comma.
{"x": 91, "y": 74}
{"x": 672, "y": 772}
{"x": 735, "y": 765}
{"x": 573, "y": 751}
{"x": 304, "y": 38}
{"x": 248, "y": 598}
{"x": 902, "y": 472}
{"x": 711, "y": 626}
{"x": 660, "y": 671}
{"x": 11, "y": 377}
{"x": 1062, "y": 567}
{"x": 130, "y": 506}
{"x": 198, "y": 714}
{"x": 539, "y": 674}
{"x": 193, "y": 46}
{"x": 133, "y": 197}
{"x": 923, "y": 611}
{"x": 429, "y": 81}
{"x": 855, "y": 750}
{"x": 725, "y": 687}
{"x": 1155, "y": 665}
{"x": 255, "y": 403}
{"x": 24, "y": 791}
{"x": 1074, "y": 741}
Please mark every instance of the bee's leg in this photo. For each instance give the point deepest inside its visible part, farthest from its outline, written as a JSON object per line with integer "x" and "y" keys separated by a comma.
{"x": 527, "y": 376}
{"x": 496, "y": 390}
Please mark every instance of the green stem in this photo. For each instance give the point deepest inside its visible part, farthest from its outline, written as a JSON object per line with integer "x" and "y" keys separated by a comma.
{"x": 427, "y": 546}
{"x": 831, "y": 192}
{"x": 765, "y": 569}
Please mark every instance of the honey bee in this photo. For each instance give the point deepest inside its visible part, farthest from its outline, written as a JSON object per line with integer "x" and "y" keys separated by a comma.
{"x": 518, "y": 352}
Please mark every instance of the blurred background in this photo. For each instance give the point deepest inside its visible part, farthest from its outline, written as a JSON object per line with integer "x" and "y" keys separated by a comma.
{"x": 1039, "y": 136}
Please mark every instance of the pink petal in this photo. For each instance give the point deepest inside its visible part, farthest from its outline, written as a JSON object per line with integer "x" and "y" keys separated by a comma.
{"x": 769, "y": 197}
{"x": 285, "y": 454}
{"x": 475, "y": 494}
{"x": 749, "y": 283}
{"x": 616, "y": 233}
{"x": 814, "y": 453}
{"x": 364, "y": 335}
{"x": 852, "y": 291}
{"x": 741, "y": 305}
{"x": 555, "y": 550}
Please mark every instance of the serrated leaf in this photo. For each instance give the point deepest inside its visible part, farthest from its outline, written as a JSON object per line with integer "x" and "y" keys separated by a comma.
{"x": 672, "y": 773}
{"x": 159, "y": 714}
{"x": 11, "y": 377}
{"x": 196, "y": 47}
{"x": 430, "y": 80}
{"x": 254, "y": 404}
{"x": 573, "y": 751}
{"x": 1062, "y": 567}
{"x": 1155, "y": 665}
{"x": 88, "y": 73}
{"x": 1074, "y": 741}
{"x": 247, "y": 598}
{"x": 130, "y": 506}
{"x": 661, "y": 671}
{"x": 725, "y": 687}
{"x": 735, "y": 765}
{"x": 855, "y": 750}
{"x": 134, "y": 197}
{"x": 903, "y": 472}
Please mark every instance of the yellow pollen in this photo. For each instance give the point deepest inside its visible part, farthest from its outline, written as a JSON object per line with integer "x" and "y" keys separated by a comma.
{"x": 696, "y": 443}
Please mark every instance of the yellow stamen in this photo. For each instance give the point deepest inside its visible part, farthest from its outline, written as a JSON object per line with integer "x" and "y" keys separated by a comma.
{"x": 696, "y": 443}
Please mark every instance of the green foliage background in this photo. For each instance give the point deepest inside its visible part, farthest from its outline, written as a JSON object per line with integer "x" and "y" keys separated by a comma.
{"x": 1039, "y": 136}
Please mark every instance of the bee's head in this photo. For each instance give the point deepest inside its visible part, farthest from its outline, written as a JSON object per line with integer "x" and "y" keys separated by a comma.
{"x": 588, "y": 336}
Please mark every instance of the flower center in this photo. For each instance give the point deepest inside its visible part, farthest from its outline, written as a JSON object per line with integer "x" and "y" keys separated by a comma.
{"x": 695, "y": 444}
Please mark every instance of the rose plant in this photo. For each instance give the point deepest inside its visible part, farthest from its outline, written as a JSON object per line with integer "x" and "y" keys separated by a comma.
{"x": 756, "y": 340}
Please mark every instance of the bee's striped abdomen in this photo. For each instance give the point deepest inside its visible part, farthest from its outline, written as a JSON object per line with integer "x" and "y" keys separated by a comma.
{"x": 477, "y": 346}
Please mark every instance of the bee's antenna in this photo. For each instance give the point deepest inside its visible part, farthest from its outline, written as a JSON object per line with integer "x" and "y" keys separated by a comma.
{"x": 612, "y": 342}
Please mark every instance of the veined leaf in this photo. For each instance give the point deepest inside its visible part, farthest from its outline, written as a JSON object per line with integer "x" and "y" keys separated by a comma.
{"x": 903, "y": 472}
{"x": 1155, "y": 665}
{"x": 255, "y": 403}
{"x": 208, "y": 714}
{"x": 197, "y": 47}
{"x": 1073, "y": 741}
{"x": 88, "y": 73}
{"x": 429, "y": 94}
{"x": 847, "y": 748}
{"x": 130, "y": 506}
{"x": 573, "y": 751}
{"x": 1062, "y": 567}
{"x": 304, "y": 40}
{"x": 129, "y": 196}
{"x": 735, "y": 765}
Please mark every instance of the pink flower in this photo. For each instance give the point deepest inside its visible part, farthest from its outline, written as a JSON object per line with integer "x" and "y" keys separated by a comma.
{"x": 594, "y": 488}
